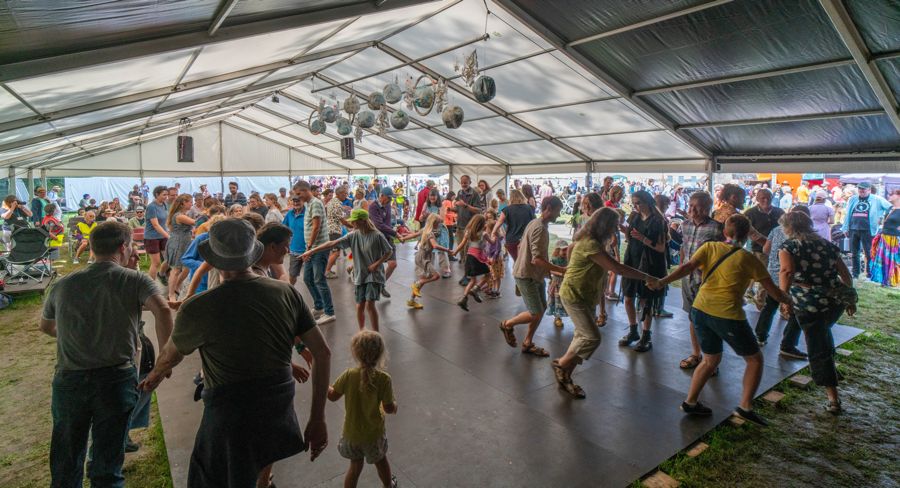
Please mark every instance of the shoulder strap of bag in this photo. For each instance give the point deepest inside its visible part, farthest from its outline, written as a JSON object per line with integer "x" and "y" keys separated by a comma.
{"x": 720, "y": 261}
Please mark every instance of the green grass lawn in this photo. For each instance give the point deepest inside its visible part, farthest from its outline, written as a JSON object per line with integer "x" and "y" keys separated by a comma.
{"x": 27, "y": 359}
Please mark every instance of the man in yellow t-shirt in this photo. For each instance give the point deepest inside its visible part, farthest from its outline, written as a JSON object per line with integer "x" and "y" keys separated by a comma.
{"x": 718, "y": 315}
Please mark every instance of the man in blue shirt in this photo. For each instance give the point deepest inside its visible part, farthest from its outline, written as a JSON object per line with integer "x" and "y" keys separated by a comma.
{"x": 294, "y": 219}
{"x": 864, "y": 213}
{"x": 381, "y": 216}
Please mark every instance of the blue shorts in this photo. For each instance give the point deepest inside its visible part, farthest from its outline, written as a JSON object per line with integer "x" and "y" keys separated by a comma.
{"x": 368, "y": 292}
{"x": 712, "y": 331}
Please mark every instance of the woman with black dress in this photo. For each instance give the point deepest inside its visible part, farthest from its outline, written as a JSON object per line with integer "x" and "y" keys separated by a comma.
{"x": 647, "y": 235}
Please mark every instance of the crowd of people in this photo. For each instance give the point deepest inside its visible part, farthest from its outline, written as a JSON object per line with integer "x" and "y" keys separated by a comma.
{"x": 225, "y": 267}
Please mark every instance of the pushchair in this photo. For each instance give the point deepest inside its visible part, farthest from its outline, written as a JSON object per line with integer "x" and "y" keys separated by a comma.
{"x": 29, "y": 257}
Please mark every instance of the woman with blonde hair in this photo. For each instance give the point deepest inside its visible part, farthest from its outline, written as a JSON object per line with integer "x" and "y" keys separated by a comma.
{"x": 275, "y": 211}
{"x": 582, "y": 284}
{"x": 180, "y": 236}
{"x": 821, "y": 289}
{"x": 474, "y": 242}
{"x": 428, "y": 243}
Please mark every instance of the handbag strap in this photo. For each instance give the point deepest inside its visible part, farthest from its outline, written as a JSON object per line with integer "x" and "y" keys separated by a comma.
{"x": 720, "y": 261}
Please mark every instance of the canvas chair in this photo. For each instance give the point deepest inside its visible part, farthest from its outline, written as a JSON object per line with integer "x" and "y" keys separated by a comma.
{"x": 29, "y": 258}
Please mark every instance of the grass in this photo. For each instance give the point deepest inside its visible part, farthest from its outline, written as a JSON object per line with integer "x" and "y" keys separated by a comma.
{"x": 27, "y": 360}
{"x": 804, "y": 446}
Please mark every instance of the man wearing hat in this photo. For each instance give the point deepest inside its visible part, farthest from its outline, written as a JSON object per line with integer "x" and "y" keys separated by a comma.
{"x": 422, "y": 198}
{"x": 138, "y": 221}
{"x": 245, "y": 330}
{"x": 380, "y": 215}
{"x": 861, "y": 221}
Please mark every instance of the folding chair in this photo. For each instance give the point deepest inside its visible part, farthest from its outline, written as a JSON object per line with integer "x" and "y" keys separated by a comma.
{"x": 29, "y": 258}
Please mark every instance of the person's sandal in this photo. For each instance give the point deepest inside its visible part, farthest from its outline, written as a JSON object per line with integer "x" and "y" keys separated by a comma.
{"x": 534, "y": 350}
{"x": 601, "y": 319}
{"x": 564, "y": 380}
{"x": 834, "y": 408}
{"x": 508, "y": 334}
{"x": 574, "y": 390}
{"x": 689, "y": 362}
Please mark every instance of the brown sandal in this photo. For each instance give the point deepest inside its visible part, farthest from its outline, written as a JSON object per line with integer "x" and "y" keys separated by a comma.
{"x": 534, "y": 350}
{"x": 601, "y": 319}
{"x": 564, "y": 380}
{"x": 508, "y": 334}
{"x": 689, "y": 362}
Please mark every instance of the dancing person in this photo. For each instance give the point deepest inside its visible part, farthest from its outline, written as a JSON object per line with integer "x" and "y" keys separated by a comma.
{"x": 555, "y": 306}
{"x": 274, "y": 209}
{"x": 885, "y": 264}
{"x": 294, "y": 219}
{"x": 335, "y": 212}
{"x": 616, "y": 193}
{"x": 528, "y": 192}
{"x": 821, "y": 289}
{"x": 647, "y": 235}
{"x": 763, "y": 217}
{"x": 368, "y": 395}
{"x": 581, "y": 288}
{"x": 729, "y": 201}
{"x": 422, "y": 200}
{"x": 791, "y": 335}
{"x": 864, "y": 212}
{"x": 156, "y": 235}
{"x": 315, "y": 233}
{"x": 95, "y": 315}
{"x": 434, "y": 206}
{"x": 429, "y": 238}
{"x": 381, "y": 214}
{"x": 245, "y": 330}
{"x": 530, "y": 272}
{"x": 449, "y": 209}
{"x": 180, "y": 237}
{"x": 467, "y": 204}
{"x": 516, "y": 216}
{"x": 604, "y": 190}
{"x": 474, "y": 241}
{"x": 718, "y": 315}
{"x": 662, "y": 204}
{"x": 822, "y": 215}
{"x": 370, "y": 249}
{"x": 493, "y": 251}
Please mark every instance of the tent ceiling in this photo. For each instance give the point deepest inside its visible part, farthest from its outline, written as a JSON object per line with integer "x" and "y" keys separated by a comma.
{"x": 579, "y": 82}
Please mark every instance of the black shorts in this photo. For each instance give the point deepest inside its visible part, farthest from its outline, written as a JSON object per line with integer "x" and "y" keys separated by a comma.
{"x": 474, "y": 267}
{"x": 712, "y": 331}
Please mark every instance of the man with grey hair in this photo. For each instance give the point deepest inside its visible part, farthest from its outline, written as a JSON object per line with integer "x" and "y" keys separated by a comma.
{"x": 335, "y": 213}
{"x": 763, "y": 217}
{"x": 315, "y": 231}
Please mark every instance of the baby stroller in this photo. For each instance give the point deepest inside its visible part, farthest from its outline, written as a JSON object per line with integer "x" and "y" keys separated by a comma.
{"x": 29, "y": 258}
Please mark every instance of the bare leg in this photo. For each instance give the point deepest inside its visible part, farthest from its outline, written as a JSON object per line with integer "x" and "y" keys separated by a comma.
{"x": 361, "y": 315}
{"x": 332, "y": 258}
{"x": 384, "y": 472}
{"x": 264, "y": 477}
{"x": 154, "y": 264}
{"x": 695, "y": 344}
{"x": 648, "y": 317}
{"x": 373, "y": 315}
{"x": 752, "y": 376}
{"x": 81, "y": 249}
{"x": 353, "y": 472}
{"x": 630, "y": 311}
{"x": 532, "y": 328}
{"x": 392, "y": 265}
{"x": 522, "y": 318}
{"x": 704, "y": 371}
{"x": 179, "y": 276}
{"x": 832, "y": 393}
{"x": 612, "y": 284}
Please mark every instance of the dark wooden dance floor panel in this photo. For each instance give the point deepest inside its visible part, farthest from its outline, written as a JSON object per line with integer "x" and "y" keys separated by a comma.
{"x": 475, "y": 412}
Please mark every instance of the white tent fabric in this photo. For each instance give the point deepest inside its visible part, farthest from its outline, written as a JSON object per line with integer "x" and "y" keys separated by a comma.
{"x": 120, "y": 118}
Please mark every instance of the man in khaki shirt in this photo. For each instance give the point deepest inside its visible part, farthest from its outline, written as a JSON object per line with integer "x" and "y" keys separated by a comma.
{"x": 530, "y": 271}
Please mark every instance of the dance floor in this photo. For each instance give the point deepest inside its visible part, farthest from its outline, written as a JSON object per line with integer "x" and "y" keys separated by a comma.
{"x": 475, "y": 412}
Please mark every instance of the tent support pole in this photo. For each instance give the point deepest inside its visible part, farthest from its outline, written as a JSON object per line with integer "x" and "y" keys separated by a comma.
{"x": 710, "y": 171}
{"x": 221, "y": 162}
{"x": 44, "y": 178}
{"x": 450, "y": 182}
{"x": 30, "y": 184}
{"x": 290, "y": 166}
{"x": 140, "y": 162}
{"x": 11, "y": 181}
{"x": 406, "y": 183}
{"x": 588, "y": 180}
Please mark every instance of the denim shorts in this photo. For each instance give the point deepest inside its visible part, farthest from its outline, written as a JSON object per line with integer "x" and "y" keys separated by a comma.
{"x": 712, "y": 331}
{"x": 534, "y": 293}
{"x": 368, "y": 292}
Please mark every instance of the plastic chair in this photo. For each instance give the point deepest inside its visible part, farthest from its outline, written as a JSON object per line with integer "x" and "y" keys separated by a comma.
{"x": 137, "y": 237}
{"x": 29, "y": 258}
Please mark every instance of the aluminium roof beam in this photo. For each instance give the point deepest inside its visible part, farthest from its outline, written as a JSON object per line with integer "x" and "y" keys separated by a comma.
{"x": 554, "y": 39}
{"x": 488, "y": 105}
{"x": 849, "y": 34}
{"x": 645, "y": 23}
{"x": 222, "y": 14}
{"x": 54, "y": 64}
{"x": 779, "y": 120}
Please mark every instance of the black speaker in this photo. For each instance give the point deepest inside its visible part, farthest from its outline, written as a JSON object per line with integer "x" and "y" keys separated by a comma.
{"x": 347, "y": 151}
{"x": 185, "y": 149}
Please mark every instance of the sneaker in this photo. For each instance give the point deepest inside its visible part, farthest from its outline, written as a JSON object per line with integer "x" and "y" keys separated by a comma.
{"x": 463, "y": 303}
{"x": 464, "y": 281}
{"x": 664, "y": 314}
{"x": 793, "y": 353}
{"x": 630, "y": 337}
{"x": 834, "y": 408}
{"x": 447, "y": 275}
{"x": 414, "y": 304}
{"x": 476, "y": 296}
{"x": 131, "y": 446}
{"x": 385, "y": 293}
{"x": 318, "y": 313}
{"x": 90, "y": 261}
{"x": 76, "y": 261}
{"x": 697, "y": 409}
{"x": 324, "y": 319}
{"x": 416, "y": 291}
{"x": 762, "y": 342}
{"x": 331, "y": 275}
{"x": 750, "y": 415}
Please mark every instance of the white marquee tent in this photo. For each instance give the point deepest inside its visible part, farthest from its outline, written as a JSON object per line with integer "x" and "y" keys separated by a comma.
{"x": 99, "y": 89}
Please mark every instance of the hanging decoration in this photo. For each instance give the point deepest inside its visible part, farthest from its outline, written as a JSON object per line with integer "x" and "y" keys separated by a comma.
{"x": 420, "y": 97}
{"x": 381, "y": 124}
{"x": 468, "y": 70}
{"x": 351, "y": 106}
{"x": 392, "y": 92}
{"x": 358, "y": 133}
{"x": 365, "y": 119}
{"x": 452, "y": 116}
{"x": 344, "y": 126}
{"x": 317, "y": 126}
{"x": 329, "y": 114}
{"x": 484, "y": 89}
{"x": 440, "y": 95}
{"x": 376, "y": 100}
{"x": 399, "y": 120}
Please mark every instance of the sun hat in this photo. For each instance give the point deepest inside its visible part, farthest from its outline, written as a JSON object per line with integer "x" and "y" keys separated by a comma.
{"x": 865, "y": 185}
{"x": 232, "y": 245}
{"x": 139, "y": 209}
{"x": 358, "y": 214}
{"x": 387, "y": 192}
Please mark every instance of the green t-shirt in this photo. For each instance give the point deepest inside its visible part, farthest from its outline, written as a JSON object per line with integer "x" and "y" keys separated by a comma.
{"x": 364, "y": 415}
{"x": 584, "y": 278}
{"x": 244, "y": 329}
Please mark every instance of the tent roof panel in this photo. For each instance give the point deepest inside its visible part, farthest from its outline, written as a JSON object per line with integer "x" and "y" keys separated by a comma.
{"x": 529, "y": 152}
{"x": 265, "y": 118}
{"x": 304, "y": 134}
{"x": 658, "y": 145}
{"x": 877, "y": 21}
{"x": 290, "y": 109}
{"x": 301, "y": 69}
{"x": 739, "y": 37}
{"x": 461, "y": 155}
{"x": 248, "y": 11}
{"x": 25, "y": 133}
{"x": 210, "y": 90}
{"x": 97, "y": 83}
{"x": 422, "y": 138}
{"x": 603, "y": 117}
{"x": 379, "y": 25}
{"x": 372, "y": 160}
{"x": 361, "y": 64}
{"x": 494, "y": 130}
{"x": 380, "y": 144}
{"x": 11, "y": 108}
{"x": 413, "y": 158}
{"x": 890, "y": 69}
{"x": 229, "y": 56}
{"x": 247, "y": 125}
{"x": 106, "y": 114}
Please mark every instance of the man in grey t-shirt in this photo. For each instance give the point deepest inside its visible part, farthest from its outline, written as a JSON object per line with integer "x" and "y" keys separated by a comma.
{"x": 95, "y": 314}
